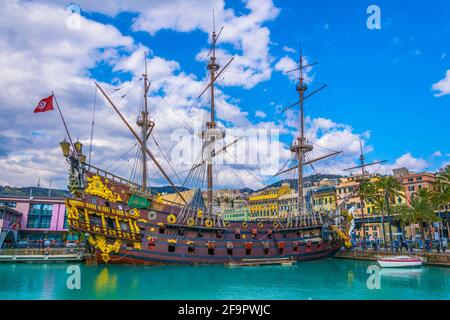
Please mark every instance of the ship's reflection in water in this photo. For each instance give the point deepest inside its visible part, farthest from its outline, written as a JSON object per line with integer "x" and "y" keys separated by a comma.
{"x": 324, "y": 279}
{"x": 105, "y": 282}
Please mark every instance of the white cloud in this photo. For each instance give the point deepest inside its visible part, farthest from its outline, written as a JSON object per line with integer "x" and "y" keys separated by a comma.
{"x": 443, "y": 86}
{"x": 52, "y": 56}
{"x": 286, "y": 64}
{"x": 245, "y": 32}
{"x": 288, "y": 49}
{"x": 437, "y": 154}
{"x": 410, "y": 162}
{"x": 260, "y": 114}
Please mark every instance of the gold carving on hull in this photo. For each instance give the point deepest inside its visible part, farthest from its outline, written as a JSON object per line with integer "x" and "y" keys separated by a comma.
{"x": 97, "y": 188}
{"x": 105, "y": 248}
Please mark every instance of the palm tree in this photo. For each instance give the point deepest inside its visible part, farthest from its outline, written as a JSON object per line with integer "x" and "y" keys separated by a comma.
{"x": 379, "y": 206}
{"x": 442, "y": 195}
{"x": 389, "y": 188}
{"x": 420, "y": 211}
{"x": 365, "y": 191}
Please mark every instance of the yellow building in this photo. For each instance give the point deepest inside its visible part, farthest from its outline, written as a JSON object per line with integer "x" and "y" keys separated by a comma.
{"x": 347, "y": 198}
{"x": 324, "y": 199}
{"x": 264, "y": 204}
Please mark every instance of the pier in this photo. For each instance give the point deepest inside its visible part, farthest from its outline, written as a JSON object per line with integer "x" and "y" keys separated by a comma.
{"x": 432, "y": 259}
{"x": 49, "y": 255}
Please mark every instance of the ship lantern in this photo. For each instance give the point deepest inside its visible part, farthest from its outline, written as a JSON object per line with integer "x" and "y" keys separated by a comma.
{"x": 78, "y": 147}
{"x": 65, "y": 147}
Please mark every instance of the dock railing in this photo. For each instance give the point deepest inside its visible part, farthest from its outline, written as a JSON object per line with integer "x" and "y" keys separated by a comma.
{"x": 41, "y": 251}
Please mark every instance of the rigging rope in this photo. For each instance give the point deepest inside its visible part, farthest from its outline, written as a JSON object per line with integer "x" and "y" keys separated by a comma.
{"x": 92, "y": 124}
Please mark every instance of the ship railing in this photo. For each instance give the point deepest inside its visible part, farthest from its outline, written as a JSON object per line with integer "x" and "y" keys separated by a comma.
{"x": 111, "y": 176}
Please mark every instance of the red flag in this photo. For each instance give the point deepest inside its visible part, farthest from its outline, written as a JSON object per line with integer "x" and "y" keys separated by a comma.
{"x": 44, "y": 105}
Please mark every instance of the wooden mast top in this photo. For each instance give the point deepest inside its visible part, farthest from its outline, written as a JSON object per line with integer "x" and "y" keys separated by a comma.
{"x": 144, "y": 123}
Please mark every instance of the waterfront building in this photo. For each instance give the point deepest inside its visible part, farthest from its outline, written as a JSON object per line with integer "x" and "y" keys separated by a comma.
{"x": 9, "y": 225}
{"x": 413, "y": 182}
{"x": 41, "y": 217}
{"x": 324, "y": 199}
{"x": 348, "y": 198}
{"x": 236, "y": 214}
{"x": 264, "y": 204}
{"x": 288, "y": 204}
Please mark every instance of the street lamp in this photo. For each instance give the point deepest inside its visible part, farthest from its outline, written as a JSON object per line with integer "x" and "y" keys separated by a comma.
{"x": 65, "y": 147}
{"x": 78, "y": 147}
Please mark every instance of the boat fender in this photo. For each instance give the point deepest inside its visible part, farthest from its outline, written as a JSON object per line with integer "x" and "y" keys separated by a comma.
{"x": 171, "y": 218}
{"x": 191, "y": 221}
{"x": 208, "y": 223}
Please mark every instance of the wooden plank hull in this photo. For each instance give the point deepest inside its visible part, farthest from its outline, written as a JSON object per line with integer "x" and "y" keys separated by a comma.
{"x": 153, "y": 257}
{"x": 163, "y": 234}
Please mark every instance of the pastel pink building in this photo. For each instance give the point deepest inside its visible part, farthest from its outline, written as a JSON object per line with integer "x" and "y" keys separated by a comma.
{"x": 41, "y": 217}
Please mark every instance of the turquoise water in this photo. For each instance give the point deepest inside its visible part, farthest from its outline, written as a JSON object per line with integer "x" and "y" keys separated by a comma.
{"x": 324, "y": 279}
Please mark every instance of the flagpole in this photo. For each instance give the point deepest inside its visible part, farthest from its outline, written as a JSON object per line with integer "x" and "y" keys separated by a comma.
{"x": 64, "y": 122}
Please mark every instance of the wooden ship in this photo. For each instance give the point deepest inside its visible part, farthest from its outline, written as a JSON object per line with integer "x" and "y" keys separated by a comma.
{"x": 125, "y": 223}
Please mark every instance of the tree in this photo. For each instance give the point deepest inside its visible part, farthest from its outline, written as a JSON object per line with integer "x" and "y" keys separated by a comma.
{"x": 442, "y": 186}
{"x": 421, "y": 211}
{"x": 366, "y": 191}
{"x": 379, "y": 206}
{"x": 389, "y": 188}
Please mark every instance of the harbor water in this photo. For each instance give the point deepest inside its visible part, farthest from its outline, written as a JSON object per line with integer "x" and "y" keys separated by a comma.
{"x": 323, "y": 279}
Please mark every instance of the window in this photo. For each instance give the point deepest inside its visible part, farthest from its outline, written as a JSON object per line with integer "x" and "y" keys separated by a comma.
{"x": 411, "y": 188}
{"x": 419, "y": 178}
{"x": 171, "y": 247}
{"x": 8, "y": 204}
{"x": 110, "y": 223}
{"x": 123, "y": 225}
{"x": 230, "y": 251}
{"x": 211, "y": 251}
{"x": 39, "y": 216}
{"x": 66, "y": 222}
{"x": 191, "y": 249}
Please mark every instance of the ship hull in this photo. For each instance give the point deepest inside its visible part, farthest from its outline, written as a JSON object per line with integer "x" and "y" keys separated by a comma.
{"x": 257, "y": 241}
{"x": 165, "y": 233}
{"x": 145, "y": 257}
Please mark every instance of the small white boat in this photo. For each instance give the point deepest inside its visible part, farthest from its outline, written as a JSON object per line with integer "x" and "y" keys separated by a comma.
{"x": 399, "y": 261}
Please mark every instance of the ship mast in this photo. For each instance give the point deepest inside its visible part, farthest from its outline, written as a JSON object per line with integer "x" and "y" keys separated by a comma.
{"x": 301, "y": 147}
{"x": 145, "y": 124}
{"x": 211, "y": 125}
{"x": 362, "y": 179}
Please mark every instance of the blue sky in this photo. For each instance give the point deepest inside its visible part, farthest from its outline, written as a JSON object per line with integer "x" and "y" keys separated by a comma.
{"x": 379, "y": 81}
